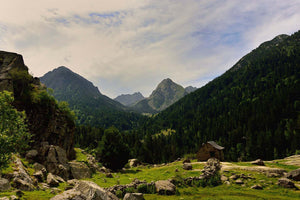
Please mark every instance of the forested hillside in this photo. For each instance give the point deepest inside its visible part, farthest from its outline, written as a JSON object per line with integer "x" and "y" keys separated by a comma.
{"x": 253, "y": 109}
{"x": 90, "y": 106}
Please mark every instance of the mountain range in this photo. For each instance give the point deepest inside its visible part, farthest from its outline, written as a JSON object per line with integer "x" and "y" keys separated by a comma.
{"x": 129, "y": 99}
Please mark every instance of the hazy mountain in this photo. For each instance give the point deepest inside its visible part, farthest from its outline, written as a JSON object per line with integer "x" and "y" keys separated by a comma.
{"x": 190, "y": 89}
{"x": 253, "y": 109}
{"x": 91, "y": 106}
{"x": 166, "y": 93}
{"x": 129, "y": 99}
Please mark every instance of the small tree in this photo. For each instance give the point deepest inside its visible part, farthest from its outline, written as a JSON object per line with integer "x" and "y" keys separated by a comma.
{"x": 112, "y": 150}
{"x": 14, "y": 135}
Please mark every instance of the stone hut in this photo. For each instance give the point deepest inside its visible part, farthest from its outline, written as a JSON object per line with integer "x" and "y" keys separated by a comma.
{"x": 210, "y": 150}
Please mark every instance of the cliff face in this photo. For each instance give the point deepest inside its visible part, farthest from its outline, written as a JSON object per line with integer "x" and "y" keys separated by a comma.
{"x": 46, "y": 121}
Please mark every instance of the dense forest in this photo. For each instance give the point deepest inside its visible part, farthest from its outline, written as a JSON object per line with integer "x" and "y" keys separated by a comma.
{"x": 252, "y": 110}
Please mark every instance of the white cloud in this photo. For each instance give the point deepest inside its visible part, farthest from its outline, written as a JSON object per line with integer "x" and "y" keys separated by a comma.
{"x": 127, "y": 46}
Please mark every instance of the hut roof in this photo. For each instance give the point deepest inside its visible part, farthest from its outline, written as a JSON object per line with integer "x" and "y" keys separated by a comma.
{"x": 215, "y": 145}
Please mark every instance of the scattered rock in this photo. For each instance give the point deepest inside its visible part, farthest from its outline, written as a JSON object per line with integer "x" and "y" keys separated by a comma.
{"x": 165, "y": 187}
{"x": 4, "y": 185}
{"x": 4, "y": 198}
{"x": 187, "y": 166}
{"x": 52, "y": 181}
{"x": 22, "y": 184}
{"x": 13, "y": 197}
{"x": 224, "y": 178}
{"x": 259, "y": 162}
{"x": 134, "y": 196}
{"x": 234, "y": 177}
{"x": 239, "y": 182}
{"x": 86, "y": 190}
{"x": 257, "y": 187}
{"x": 286, "y": 183}
{"x": 72, "y": 182}
{"x": 80, "y": 170}
{"x": 186, "y": 161}
{"x": 176, "y": 170}
{"x": 39, "y": 175}
{"x": 134, "y": 162}
{"x": 38, "y": 167}
{"x": 295, "y": 175}
{"x": 108, "y": 175}
{"x": 273, "y": 175}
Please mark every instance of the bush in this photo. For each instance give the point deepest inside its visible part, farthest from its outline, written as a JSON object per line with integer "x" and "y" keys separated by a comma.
{"x": 146, "y": 189}
{"x": 14, "y": 135}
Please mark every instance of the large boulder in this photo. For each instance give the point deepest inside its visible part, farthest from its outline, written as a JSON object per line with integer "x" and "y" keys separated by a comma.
{"x": 80, "y": 170}
{"x": 31, "y": 155}
{"x": 165, "y": 187}
{"x": 134, "y": 162}
{"x": 52, "y": 180}
{"x": 295, "y": 175}
{"x": 86, "y": 190}
{"x": 134, "y": 196}
{"x": 4, "y": 185}
{"x": 187, "y": 166}
{"x": 286, "y": 183}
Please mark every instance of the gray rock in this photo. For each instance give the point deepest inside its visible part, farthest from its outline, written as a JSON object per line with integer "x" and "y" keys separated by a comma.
{"x": 109, "y": 175}
{"x": 38, "y": 167}
{"x": 52, "y": 181}
{"x": 259, "y": 162}
{"x": 186, "y": 161}
{"x": 39, "y": 175}
{"x": 4, "y": 198}
{"x": 286, "y": 183}
{"x": 187, "y": 166}
{"x": 257, "y": 187}
{"x": 86, "y": 190}
{"x": 165, "y": 187}
{"x": 31, "y": 155}
{"x": 239, "y": 182}
{"x": 134, "y": 162}
{"x": 22, "y": 184}
{"x": 4, "y": 185}
{"x": 234, "y": 177}
{"x": 80, "y": 170}
{"x": 134, "y": 196}
{"x": 295, "y": 175}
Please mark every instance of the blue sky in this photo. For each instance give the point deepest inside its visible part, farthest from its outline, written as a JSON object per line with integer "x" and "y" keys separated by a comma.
{"x": 129, "y": 46}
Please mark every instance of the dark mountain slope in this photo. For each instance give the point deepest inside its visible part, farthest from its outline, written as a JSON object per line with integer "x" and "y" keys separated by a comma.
{"x": 252, "y": 109}
{"x": 129, "y": 99}
{"x": 90, "y": 106}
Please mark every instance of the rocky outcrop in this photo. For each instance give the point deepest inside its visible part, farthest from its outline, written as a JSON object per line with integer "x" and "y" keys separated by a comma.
{"x": 165, "y": 187}
{"x": 134, "y": 162}
{"x": 20, "y": 178}
{"x": 286, "y": 183}
{"x": 79, "y": 170}
{"x": 259, "y": 162}
{"x": 86, "y": 190}
{"x": 46, "y": 121}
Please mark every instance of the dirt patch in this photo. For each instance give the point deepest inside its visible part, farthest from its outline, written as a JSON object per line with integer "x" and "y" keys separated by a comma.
{"x": 263, "y": 169}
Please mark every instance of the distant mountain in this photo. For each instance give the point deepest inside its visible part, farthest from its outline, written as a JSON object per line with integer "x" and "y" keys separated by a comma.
{"x": 166, "y": 93}
{"x": 90, "y": 105}
{"x": 190, "y": 89}
{"x": 129, "y": 99}
{"x": 253, "y": 109}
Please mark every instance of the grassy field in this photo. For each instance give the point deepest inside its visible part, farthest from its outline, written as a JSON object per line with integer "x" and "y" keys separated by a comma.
{"x": 163, "y": 172}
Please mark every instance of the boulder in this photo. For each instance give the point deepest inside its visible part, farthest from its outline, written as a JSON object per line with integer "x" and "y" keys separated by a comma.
{"x": 224, "y": 178}
{"x": 134, "y": 162}
{"x": 286, "y": 183}
{"x": 165, "y": 187}
{"x": 22, "y": 184}
{"x": 80, "y": 170}
{"x": 86, "y": 190}
{"x": 134, "y": 196}
{"x": 38, "y": 167}
{"x": 4, "y": 198}
{"x": 257, "y": 187}
{"x": 52, "y": 180}
{"x": 187, "y": 166}
{"x": 234, "y": 177}
{"x": 239, "y": 182}
{"x": 4, "y": 185}
{"x": 31, "y": 155}
{"x": 259, "y": 162}
{"x": 295, "y": 175}
{"x": 39, "y": 175}
{"x": 186, "y": 161}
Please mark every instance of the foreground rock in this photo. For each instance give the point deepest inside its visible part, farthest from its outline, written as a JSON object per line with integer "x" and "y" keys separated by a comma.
{"x": 165, "y": 188}
{"x": 86, "y": 190}
{"x": 295, "y": 175}
{"x": 134, "y": 196}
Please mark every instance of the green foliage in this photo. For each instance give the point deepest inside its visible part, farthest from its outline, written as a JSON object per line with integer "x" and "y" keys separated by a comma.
{"x": 14, "y": 136}
{"x": 112, "y": 151}
{"x": 119, "y": 194}
{"x": 146, "y": 189}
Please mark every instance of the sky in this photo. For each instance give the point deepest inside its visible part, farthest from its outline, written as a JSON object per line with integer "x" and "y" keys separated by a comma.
{"x": 126, "y": 46}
